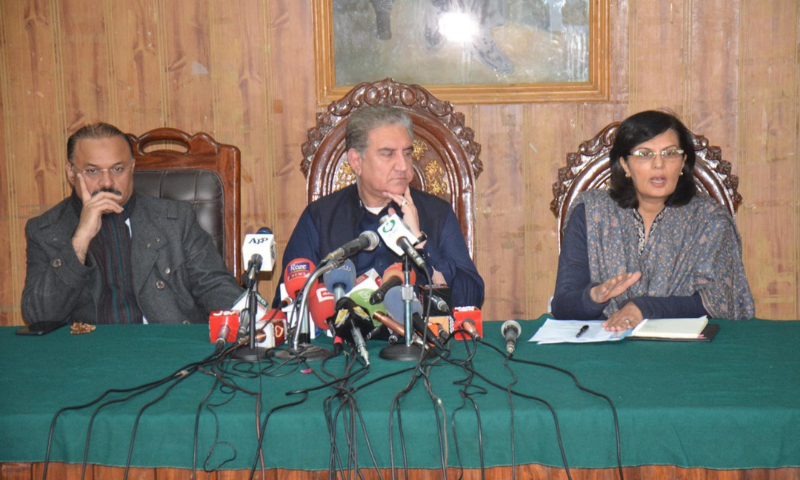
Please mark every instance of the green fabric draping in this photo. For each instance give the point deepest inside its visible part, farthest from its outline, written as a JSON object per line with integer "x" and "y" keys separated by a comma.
{"x": 728, "y": 404}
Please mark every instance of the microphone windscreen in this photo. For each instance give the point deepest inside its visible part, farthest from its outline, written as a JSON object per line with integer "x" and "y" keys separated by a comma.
{"x": 361, "y": 298}
{"x": 396, "y": 270}
{"x": 344, "y": 275}
{"x": 296, "y": 274}
{"x": 221, "y": 318}
{"x": 460, "y": 314}
{"x": 321, "y": 305}
{"x": 393, "y": 301}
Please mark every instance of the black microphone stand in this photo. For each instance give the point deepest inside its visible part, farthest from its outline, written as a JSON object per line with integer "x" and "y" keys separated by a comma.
{"x": 251, "y": 353}
{"x": 301, "y": 348}
{"x": 407, "y": 351}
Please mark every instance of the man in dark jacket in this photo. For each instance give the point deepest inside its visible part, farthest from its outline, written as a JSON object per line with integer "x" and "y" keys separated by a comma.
{"x": 379, "y": 144}
{"x": 109, "y": 255}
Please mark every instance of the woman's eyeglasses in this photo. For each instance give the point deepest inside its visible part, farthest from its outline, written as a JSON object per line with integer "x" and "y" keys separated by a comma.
{"x": 668, "y": 154}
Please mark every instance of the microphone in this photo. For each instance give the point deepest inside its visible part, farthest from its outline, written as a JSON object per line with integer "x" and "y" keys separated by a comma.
{"x": 390, "y": 323}
{"x": 296, "y": 274}
{"x": 398, "y": 237}
{"x": 350, "y": 314}
{"x": 341, "y": 280}
{"x": 396, "y": 307}
{"x": 392, "y": 277}
{"x": 361, "y": 297}
{"x": 223, "y": 326}
{"x": 469, "y": 326}
{"x": 464, "y": 314}
{"x": 511, "y": 331}
{"x": 367, "y": 240}
{"x": 440, "y": 304}
{"x": 321, "y": 306}
{"x": 258, "y": 251}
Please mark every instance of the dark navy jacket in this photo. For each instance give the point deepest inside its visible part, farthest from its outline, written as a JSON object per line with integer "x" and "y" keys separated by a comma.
{"x": 335, "y": 219}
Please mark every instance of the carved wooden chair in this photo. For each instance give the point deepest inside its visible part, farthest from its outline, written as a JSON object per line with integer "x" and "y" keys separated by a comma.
{"x": 589, "y": 168}
{"x": 195, "y": 169}
{"x": 446, "y": 161}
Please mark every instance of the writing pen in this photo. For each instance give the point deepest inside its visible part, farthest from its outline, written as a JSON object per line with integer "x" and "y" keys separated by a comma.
{"x": 582, "y": 330}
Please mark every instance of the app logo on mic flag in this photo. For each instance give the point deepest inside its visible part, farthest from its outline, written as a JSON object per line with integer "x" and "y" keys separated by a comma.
{"x": 388, "y": 225}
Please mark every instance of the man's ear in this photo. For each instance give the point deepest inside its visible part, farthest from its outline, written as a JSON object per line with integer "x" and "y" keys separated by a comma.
{"x": 70, "y": 174}
{"x": 354, "y": 159}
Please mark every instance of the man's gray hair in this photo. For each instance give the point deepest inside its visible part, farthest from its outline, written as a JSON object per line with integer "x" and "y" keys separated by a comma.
{"x": 368, "y": 119}
{"x": 95, "y": 131}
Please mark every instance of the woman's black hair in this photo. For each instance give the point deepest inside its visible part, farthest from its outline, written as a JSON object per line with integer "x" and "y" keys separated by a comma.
{"x": 636, "y": 130}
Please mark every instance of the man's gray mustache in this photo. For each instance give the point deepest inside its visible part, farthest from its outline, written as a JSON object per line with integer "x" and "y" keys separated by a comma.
{"x": 107, "y": 190}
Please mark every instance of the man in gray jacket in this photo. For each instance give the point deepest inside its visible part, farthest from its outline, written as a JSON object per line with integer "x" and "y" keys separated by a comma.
{"x": 109, "y": 255}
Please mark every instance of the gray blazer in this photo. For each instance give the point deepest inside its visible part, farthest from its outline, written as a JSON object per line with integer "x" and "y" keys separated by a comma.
{"x": 178, "y": 274}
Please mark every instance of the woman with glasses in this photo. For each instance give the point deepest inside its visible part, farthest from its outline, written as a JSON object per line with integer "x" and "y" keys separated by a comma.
{"x": 651, "y": 246}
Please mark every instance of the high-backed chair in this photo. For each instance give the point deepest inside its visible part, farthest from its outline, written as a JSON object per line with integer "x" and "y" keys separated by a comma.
{"x": 446, "y": 161}
{"x": 589, "y": 168}
{"x": 194, "y": 168}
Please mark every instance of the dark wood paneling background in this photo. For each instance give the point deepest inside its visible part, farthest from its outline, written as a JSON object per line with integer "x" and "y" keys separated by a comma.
{"x": 243, "y": 71}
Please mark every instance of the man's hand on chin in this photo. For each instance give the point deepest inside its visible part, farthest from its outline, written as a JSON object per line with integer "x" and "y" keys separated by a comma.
{"x": 92, "y": 217}
{"x": 410, "y": 213}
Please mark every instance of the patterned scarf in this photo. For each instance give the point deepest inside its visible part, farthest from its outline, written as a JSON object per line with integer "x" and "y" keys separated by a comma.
{"x": 111, "y": 252}
{"x": 693, "y": 248}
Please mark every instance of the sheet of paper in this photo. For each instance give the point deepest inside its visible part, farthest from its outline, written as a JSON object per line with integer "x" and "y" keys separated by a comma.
{"x": 565, "y": 331}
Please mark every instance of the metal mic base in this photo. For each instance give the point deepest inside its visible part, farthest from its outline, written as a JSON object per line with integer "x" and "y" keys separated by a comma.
{"x": 305, "y": 351}
{"x": 250, "y": 355}
{"x": 399, "y": 352}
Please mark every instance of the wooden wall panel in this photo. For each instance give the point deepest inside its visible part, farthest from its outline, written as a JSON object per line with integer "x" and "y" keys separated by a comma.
{"x": 32, "y": 170}
{"x": 500, "y": 208}
{"x": 139, "y": 80}
{"x": 243, "y": 71}
{"x": 292, "y": 110}
{"x": 713, "y": 84}
{"x": 7, "y": 283}
{"x": 767, "y": 153}
{"x": 658, "y": 64}
{"x": 189, "y": 92}
{"x": 541, "y": 156}
{"x": 89, "y": 71}
{"x": 240, "y": 83}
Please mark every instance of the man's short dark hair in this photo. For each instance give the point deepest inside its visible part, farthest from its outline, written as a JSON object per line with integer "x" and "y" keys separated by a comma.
{"x": 636, "y": 130}
{"x": 368, "y": 119}
{"x": 95, "y": 131}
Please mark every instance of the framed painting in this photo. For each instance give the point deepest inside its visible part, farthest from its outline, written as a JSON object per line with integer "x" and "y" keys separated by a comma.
{"x": 465, "y": 51}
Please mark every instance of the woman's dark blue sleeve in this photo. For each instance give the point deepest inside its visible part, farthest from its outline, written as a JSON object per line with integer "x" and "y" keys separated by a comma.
{"x": 671, "y": 307}
{"x": 572, "y": 300}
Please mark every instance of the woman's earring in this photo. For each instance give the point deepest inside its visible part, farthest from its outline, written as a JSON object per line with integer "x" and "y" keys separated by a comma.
{"x": 628, "y": 175}
{"x": 681, "y": 173}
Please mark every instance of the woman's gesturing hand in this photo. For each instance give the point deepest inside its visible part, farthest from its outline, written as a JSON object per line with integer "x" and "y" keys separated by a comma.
{"x": 614, "y": 286}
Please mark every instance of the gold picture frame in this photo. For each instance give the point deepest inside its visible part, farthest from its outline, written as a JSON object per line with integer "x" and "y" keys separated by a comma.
{"x": 594, "y": 69}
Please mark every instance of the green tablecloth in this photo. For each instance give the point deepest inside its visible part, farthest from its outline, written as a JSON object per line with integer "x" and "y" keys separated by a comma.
{"x": 732, "y": 403}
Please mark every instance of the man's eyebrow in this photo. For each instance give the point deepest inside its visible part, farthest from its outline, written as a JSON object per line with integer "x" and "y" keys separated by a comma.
{"x": 92, "y": 165}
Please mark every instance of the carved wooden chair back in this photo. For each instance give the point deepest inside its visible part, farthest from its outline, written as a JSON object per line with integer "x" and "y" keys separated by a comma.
{"x": 589, "y": 168}
{"x": 446, "y": 161}
{"x": 196, "y": 169}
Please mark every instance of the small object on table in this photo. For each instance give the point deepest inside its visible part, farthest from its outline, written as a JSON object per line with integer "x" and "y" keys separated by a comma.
{"x": 79, "y": 328}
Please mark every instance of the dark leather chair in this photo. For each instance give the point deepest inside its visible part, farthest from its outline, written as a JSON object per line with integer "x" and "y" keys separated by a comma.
{"x": 589, "y": 168}
{"x": 446, "y": 161}
{"x": 196, "y": 169}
